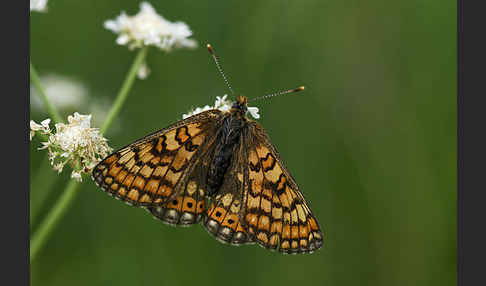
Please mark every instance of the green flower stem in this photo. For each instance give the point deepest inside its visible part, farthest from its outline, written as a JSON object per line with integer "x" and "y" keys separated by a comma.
{"x": 51, "y": 109}
{"x": 56, "y": 213}
{"x": 52, "y": 218}
{"x": 125, "y": 88}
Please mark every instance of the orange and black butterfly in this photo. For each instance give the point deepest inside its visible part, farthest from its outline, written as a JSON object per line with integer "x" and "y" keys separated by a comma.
{"x": 218, "y": 168}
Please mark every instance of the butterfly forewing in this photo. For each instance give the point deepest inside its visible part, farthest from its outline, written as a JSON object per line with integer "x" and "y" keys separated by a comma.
{"x": 153, "y": 170}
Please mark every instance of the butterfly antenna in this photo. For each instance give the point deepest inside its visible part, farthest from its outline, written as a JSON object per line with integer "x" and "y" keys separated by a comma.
{"x": 300, "y": 88}
{"x": 213, "y": 54}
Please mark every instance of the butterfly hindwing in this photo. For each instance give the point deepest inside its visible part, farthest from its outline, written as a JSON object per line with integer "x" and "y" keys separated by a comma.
{"x": 275, "y": 211}
{"x": 151, "y": 171}
{"x": 189, "y": 206}
{"x": 184, "y": 209}
{"x": 223, "y": 216}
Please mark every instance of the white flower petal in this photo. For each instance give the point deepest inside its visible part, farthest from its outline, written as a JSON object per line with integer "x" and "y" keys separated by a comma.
{"x": 45, "y": 145}
{"x": 45, "y": 123}
{"x": 111, "y": 25}
{"x": 34, "y": 126}
{"x": 123, "y": 39}
{"x": 186, "y": 43}
{"x": 254, "y": 112}
{"x": 196, "y": 111}
{"x": 220, "y": 101}
{"x": 77, "y": 176}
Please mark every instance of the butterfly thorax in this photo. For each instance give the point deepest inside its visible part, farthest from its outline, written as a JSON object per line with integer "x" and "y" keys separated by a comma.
{"x": 226, "y": 141}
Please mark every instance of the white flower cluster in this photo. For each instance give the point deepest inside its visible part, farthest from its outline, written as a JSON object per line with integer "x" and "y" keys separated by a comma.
{"x": 147, "y": 28}
{"x": 222, "y": 104}
{"x": 38, "y": 5}
{"x": 75, "y": 143}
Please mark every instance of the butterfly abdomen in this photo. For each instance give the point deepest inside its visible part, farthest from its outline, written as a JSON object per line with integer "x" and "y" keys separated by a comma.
{"x": 227, "y": 139}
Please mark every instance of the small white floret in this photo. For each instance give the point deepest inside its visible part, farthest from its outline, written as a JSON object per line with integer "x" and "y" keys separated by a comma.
{"x": 254, "y": 112}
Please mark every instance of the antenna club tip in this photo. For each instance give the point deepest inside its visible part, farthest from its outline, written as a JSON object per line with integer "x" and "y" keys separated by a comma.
{"x": 300, "y": 88}
{"x": 210, "y": 48}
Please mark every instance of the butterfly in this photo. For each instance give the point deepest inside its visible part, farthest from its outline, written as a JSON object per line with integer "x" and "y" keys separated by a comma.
{"x": 220, "y": 169}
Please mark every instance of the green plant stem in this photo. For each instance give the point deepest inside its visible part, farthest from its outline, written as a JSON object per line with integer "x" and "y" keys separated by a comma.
{"x": 43, "y": 182}
{"x": 51, "y": 109}
{"x": 39, "y": 182}
{"x": 52, "y": 218}
{"x": 125, "y": 88}
{"x": 62, "y": 204}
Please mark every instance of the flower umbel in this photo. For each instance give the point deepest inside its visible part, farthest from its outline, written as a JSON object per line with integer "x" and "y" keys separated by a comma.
{"x": 147, "y": 28}
{"x": 222, "y": 104}
{"x": 75, "y": 143}
{"x": 38, "y": 5}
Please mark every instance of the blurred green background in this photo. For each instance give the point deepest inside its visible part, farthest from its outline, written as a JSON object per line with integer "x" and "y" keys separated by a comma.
{"x": 379, "y": 170}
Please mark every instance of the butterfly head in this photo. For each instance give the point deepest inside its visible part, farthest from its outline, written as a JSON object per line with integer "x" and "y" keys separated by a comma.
{"x": 240, "y": 105}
